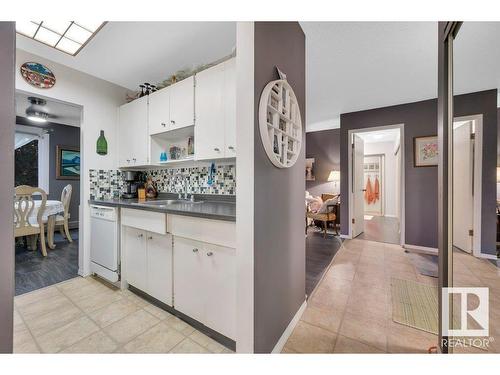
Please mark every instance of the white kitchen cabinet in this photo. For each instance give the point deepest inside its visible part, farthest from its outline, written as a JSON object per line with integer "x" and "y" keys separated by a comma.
{"x": 135, "y": 257}
{"x": 159, "y": 111}
{"x": 215, "y": 130}
{"x": 133, "y": 137}
{"x": 182, "y": 103}
{"x": 205, "y": 284}
{"x": 159, "y": 267}
{"x": 148, "y": 262}
{"x": 189, "y": 297}
{"x": 230, "y": 108}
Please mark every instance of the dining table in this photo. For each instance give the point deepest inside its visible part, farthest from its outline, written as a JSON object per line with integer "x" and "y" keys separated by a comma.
{"x": 52, "y": 208}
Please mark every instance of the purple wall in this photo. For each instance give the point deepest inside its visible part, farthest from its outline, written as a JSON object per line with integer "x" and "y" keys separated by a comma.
{"x": 324, "y": 147}
{"x": 420, "y": 119}
{"x": 279, "y": 242}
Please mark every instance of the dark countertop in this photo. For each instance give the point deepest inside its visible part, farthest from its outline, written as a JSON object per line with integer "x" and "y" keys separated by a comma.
{"x": 209, "y": 209}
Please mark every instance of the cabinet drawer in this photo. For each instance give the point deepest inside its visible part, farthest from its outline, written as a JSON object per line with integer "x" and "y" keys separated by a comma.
{"x": 205, "y": 230}
{"x": 152, "y": 221}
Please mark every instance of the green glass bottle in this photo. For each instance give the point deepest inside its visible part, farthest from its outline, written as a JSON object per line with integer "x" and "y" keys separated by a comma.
{"x": 102, "y": 144}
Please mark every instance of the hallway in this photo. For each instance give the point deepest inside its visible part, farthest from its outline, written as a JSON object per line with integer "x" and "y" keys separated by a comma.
{"x": 381, "y": 229}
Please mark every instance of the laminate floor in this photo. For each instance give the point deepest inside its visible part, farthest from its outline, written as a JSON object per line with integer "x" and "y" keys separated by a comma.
{"x": 381, "y": 229}
{"x": 319, "y": 254}
{"x": 33, "y": 271}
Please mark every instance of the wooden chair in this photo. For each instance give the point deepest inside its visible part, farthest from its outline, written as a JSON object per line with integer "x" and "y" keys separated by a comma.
{"x": 23, "y": 208}
{"x": 62, "y": 220}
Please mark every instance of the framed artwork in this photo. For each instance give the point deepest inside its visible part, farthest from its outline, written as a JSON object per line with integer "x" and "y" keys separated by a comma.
{"x": 67, "y": 163}
{"x": 425, "y": 151}
{"x": 38, "y": 75}
{"x": 310, "y": 170}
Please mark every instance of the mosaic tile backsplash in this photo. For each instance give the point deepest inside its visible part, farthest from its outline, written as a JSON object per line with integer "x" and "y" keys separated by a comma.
{"x": 107, "y": 184}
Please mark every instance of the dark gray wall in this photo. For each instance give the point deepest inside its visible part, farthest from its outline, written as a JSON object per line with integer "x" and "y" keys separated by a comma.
{"x": 64, "y": 135}
{"x": 279, "y": 243}
{"x": 324, "y": 147}
{"x": 7, "y": 123}
{"x": 421, "y": 194}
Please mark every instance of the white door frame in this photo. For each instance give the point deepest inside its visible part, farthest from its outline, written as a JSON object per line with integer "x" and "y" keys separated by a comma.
{"x": 402, "y": 175}
{"x": 478, "y": 182}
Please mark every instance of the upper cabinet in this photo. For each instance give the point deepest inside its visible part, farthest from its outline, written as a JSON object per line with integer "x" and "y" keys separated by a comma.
{"x": 182, "y": 104}
{"x": 133, "y": 140}
{"x": 215, "y": 103}
{"x": 159, "y": 111}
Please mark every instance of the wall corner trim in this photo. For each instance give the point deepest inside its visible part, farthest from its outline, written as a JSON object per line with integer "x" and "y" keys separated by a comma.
{"x": 289, "y": 329}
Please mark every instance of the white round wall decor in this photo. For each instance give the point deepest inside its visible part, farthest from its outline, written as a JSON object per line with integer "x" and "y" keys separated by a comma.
{"x": 280, "y": 123}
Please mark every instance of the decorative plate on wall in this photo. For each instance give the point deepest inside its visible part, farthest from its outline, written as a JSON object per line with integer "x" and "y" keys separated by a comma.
{"x": 38, "y": 75}
{"x": 280, "y": 123}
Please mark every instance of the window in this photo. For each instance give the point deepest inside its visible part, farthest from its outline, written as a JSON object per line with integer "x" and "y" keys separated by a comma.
{"x": 66, "y": 36}
{"x": 32, "y": 158}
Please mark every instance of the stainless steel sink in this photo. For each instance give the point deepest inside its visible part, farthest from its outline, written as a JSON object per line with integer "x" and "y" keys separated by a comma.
{"x": 160, "y": 203}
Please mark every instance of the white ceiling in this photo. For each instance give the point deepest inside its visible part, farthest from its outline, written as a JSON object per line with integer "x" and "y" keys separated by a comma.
{"x": 130, "y": 53}
{"x": 354, "y": 66}
{"x": 377, "y": 136}
{"x": 61, "y": 113}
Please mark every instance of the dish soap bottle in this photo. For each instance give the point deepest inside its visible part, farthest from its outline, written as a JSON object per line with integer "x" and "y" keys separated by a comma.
{"x": 102, "y": 144}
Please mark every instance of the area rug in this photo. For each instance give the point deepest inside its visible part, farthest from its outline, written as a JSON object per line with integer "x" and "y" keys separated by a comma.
{"x": 415, "y": 305}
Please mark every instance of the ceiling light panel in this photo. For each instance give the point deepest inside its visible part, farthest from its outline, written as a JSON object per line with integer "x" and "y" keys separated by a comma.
{"x": 66, "y": 36}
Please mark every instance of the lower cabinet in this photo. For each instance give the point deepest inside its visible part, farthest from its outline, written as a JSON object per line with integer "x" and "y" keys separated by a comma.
{"x": 148, "y": 261}
{"x": 205, "y": 284}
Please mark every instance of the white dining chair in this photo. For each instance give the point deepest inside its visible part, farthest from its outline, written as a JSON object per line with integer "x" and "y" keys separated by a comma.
{"x": 62, "y": 221}
{"x": 24, "y": 224}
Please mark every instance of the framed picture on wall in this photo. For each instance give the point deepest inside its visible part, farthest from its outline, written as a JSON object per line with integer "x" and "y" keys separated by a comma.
{"x": 67, "y": 163}
{"x": 310, "y": 169}
{"x": 426, "y": 151}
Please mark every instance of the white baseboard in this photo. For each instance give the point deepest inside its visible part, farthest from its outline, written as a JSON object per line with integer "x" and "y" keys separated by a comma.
{"x": 391, "y": 215}
{"x": 424, "y": 249}
{"x": 488, "y": 256}
{"x": 288, "y": 331}
{"x": 346, "y": 236}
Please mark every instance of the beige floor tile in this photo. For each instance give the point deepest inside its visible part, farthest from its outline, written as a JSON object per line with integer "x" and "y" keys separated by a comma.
{"x": 65, "y": 336}
{"x": 207, "y": 342}
{"x": 42, "y": 324}
{"x": 404, "y": 339}
{"x": 307, "y": 338}
{"x": 35, "y": 296}
{"x": 88, "y": 290}
{"x": 75, "y": 283}
{"x": 132, "y": 325}
{"x": 326, "y": 319}
{"x": 342, "y": 270}
{"x": 159, "y": 339}
{"x": 47, "y": 305}
{"x": 179, "y": 325}
{"x": 327, "y": 299}
{"x": 24, "y": 342}
{"x": 287, "y": 350}
{"x": 139, "y": 301}
{"x": 348, "y": 345}
{"x": 96, "y": 301}
{"x": 189, "y": 346}
{"x": 113, "y": 312}
{"x": 371, "y": 331}
{"x": 156, "y": 311}
{"x": 98, "y": 342}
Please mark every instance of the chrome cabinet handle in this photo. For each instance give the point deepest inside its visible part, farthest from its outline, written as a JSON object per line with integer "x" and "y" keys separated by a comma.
{"x": 140, "y": 235}
{"x": 150, "y": 237}
{"x": 217, "y": 149}
{"x": 128, "y": 160}
{"x": 163, "y": 124}
{"x": 172, "y": 122}
{"x": 195, "y": 250}
{"x": 231, "y": 147}
{"x": 209, "y": 254}
{"x": 134, "y": 159}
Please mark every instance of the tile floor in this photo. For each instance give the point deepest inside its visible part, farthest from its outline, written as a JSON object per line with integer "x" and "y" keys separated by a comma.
{"x": 83, "y": 315}
{"x": 351, "y": 311}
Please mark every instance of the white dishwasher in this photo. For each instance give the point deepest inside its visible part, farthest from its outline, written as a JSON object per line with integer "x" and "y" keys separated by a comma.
{"x": 105, "y": 242}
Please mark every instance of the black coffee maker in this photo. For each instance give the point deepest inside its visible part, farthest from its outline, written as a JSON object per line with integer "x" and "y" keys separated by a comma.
{"x": 132, "y": 183}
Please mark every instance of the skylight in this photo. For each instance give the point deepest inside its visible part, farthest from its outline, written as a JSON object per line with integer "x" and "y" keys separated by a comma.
{"x": 65, "y": 36}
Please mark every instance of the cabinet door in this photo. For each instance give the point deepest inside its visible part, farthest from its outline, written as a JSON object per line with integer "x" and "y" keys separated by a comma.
{"x": 159, "y": 267}
{"x": 182, "y": 104}
{"x": 159, "y": 111}
{"x": 189, "y": 288}
{"x": 220, "y": 283}
{"x": 135, "y": 257}
{"x": 230, "y": 108}
{"x": 133, "y": 133}
{"x": 209, "y": 129}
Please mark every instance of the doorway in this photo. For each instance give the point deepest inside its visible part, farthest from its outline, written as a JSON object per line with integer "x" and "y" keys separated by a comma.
{"x": 377, "y": 178}
{"x": 467, "y": 171}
